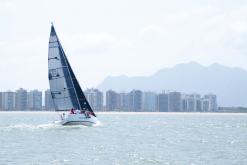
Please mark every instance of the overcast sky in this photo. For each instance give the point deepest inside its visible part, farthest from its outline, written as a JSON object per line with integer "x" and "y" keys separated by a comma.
{"x": 131, "y": 37}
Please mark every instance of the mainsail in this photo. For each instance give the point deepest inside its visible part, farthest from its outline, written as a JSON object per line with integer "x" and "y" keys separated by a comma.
{"x": 65, "y": 89}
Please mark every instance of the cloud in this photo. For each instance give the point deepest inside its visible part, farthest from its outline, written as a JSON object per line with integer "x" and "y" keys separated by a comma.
{"x": 223, "y": 30}
{"x": 94, "y": 43}
{"x": 7, "y": 5}
{"x": 137, "y": 42}
{"x": 153, "y": 29}
{"x": 88, "y": 43}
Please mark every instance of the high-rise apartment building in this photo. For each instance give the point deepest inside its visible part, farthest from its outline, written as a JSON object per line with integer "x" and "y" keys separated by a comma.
{"x": 21, "y": 99}
{"x": 1, "y": 101}
{"x": 205, "y": 105}
{"x": 199, "y": 105}
{"x": 112, "y": 100}
{"x": 49, "y": 105}
{"x": 191, "y": 103}
{"x": 212, "y": 99}
{"x": 175, "y": 102}
{"x": 162, "y": 102}
{"x": 8, "y": 100}
{"x": 149, "y": 101}
{"x": 95, "y": 98}
{"x": 123, "y": 101}
{"x": 34, "y": 100}
{"x": 135, "y": 100}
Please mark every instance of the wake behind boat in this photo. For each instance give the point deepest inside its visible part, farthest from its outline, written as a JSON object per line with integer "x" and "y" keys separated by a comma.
{"x": 66, "y": 92}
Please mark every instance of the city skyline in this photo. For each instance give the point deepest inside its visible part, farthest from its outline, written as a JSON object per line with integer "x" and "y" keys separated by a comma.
{"x": 161, "y": 34}
{"x": 132, "y": 101}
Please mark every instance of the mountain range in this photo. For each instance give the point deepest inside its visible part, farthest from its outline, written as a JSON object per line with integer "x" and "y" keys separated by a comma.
{"x": 229, "y": 84}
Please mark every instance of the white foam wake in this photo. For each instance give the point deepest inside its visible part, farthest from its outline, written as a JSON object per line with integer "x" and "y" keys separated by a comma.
{"x": 28, "y": 127}
{"x": 31, "y": 127}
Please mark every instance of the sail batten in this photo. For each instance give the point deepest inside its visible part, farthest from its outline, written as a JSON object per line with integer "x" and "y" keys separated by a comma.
{"x": 65, "y": 89}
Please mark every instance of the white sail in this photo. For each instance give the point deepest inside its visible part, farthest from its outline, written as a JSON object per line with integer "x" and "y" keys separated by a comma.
{"x": 65, "y": 89}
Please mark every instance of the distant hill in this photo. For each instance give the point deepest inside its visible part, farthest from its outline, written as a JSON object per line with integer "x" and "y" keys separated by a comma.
{"x": 229, "y": 84}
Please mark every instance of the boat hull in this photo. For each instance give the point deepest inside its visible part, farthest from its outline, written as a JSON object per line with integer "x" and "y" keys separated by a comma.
{"x": 78, "y": 119}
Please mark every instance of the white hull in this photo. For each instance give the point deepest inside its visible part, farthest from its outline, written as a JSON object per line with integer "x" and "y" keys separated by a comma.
{"x": 78, "y": 119}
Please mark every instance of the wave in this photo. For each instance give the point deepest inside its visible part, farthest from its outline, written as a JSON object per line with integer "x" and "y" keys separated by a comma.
{"x": 31, "y": 127}
{"x": 98, "y": 124}
{"x": 28, "y": 127}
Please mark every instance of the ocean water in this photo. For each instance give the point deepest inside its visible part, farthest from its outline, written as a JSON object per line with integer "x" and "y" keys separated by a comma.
{"x": 31, "y": 138}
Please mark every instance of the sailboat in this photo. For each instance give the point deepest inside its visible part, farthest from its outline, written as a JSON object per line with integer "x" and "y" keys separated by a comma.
{"x": 65, "y": 89}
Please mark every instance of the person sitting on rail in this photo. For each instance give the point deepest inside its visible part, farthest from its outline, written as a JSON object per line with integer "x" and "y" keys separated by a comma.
{"x": 72, "y": 111}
